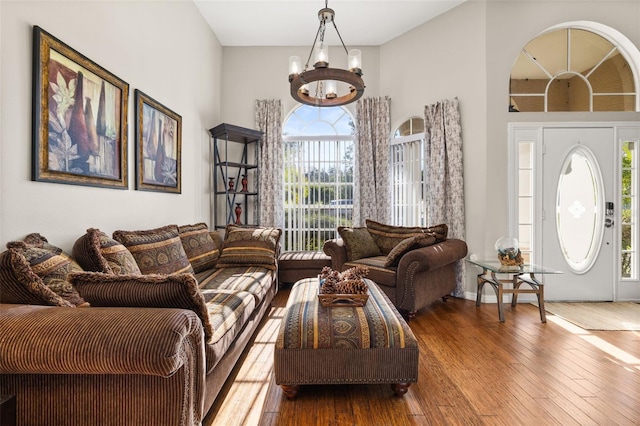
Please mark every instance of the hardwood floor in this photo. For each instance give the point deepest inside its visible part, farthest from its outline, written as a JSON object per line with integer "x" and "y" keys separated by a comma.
{"x": 474, "y": 370}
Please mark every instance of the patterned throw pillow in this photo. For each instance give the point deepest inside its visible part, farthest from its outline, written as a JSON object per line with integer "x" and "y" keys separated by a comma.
{"x": 406, "y": 245}
{"x": 201, "y": 250}
{"x": 358, "y": 242}
{"x": 156, "y": 251}
{"x": 96, "y": 251}
{"x": 250, "y": 246}
{"x": 388, "y": 236}
{"x": 35, "y": 272}
{"x": 19, "y": 284}
{"x": 148, "y": 291}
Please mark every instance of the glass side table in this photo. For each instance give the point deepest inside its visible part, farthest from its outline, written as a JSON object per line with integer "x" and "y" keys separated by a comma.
{"x": 514, "y": 275}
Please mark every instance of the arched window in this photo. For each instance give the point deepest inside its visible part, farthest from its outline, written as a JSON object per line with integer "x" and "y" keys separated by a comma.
{"x": 579, "y": 66}
{"x": 407, "y": 174}
{"x": 318, "y": 175}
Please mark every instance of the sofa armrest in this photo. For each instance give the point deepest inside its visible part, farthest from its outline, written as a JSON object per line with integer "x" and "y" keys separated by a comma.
{"x": 336, "y": 249}
{"x": 417, "y": 264}
{"x": 53, "y": 340}
{"x": 434, "y": 256}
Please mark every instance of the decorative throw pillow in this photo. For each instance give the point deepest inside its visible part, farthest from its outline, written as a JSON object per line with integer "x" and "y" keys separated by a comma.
{"x": 149, "y": 291}
{"x": 97, "y": 252}
{"x": 358, "y": 242}
{"x": 250, "y": 246}
{"x": 39, "y": 271}
{"x": 407, "y": 245}
{"x": 388, "y": 236}
{"x": 19, "y": 284}
{"x": 200, "y": 248}
{"x": 156, "y": 251}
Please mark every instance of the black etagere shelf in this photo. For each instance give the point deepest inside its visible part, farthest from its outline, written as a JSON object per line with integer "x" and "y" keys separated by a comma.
{"x": 230, "y": 193}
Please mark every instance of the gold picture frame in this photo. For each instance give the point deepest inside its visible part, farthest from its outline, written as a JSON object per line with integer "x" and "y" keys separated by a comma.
{"x": 158, "y": 146}
{"x": 79, "y": 118}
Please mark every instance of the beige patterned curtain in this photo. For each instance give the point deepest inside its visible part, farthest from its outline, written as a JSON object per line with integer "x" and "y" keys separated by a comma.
{"x": 372, "y": 184}
{"x": 268, "y": 116}
{"x": 445, "y": 186}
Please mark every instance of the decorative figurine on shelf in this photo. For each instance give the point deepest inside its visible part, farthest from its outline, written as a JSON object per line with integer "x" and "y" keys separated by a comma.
{"x": 238, "y": 213}
{"x": 231, "y": 184}
{"x": 244, "y": 183}
{"x": 509, "y": 251}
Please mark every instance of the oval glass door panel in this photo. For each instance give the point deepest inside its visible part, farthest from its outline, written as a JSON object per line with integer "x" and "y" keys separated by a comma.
{"x": 580, "y": 209}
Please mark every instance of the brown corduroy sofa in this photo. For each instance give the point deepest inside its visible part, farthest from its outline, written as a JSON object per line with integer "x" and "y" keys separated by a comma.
{"x": 414, "y": 266}
{"x": 124, "y": 360}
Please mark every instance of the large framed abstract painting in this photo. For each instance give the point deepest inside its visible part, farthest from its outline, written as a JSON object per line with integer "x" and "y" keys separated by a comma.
{"x": 79, "y": 117}
{"x": 158, "y": 146}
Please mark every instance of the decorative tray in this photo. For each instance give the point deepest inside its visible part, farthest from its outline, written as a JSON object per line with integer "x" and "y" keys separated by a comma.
{"x": 334, "y": 300}
{"x": 328, "y": 300}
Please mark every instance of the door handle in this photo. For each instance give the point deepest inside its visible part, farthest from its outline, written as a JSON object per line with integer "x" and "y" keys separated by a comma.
{"x": 608, "y": 212}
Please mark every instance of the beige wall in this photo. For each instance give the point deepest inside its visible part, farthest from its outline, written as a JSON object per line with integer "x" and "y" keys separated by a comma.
{"x": 444, "y": 59}
{"x": 164, "y": 49}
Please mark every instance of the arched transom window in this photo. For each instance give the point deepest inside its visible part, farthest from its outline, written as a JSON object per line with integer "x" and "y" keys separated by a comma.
{"x": 575, "y": 68}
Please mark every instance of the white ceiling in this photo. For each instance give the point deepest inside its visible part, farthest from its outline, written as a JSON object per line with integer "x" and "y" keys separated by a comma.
{"x": 295, "y": 22}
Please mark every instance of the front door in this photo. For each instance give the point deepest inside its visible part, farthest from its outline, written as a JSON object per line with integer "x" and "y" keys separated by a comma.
{"x": 578, "y": 210}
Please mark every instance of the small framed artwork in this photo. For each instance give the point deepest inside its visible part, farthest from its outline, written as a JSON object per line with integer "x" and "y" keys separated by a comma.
{"x": 158, "y": 146}
{"x": 79, "y": 118}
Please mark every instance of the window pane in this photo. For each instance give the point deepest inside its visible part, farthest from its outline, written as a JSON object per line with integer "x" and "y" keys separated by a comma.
{"x": 627, "y": 261}
{"x": 579, "y": 226}
{"x": 524, "y": 210}
{"x": 525, "y": 160}
{"x": 524, "y": 183}
{"x": 614, "y": 103}
{"x": 553, "y": 60}
{"x": 587, "y": 50}
{"x": 525, "y": 236}
{"x": 528, "y": 103}
{"x": 417, "y": 125}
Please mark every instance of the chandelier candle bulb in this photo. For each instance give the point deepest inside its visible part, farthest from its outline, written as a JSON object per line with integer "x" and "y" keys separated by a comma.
{"x": 331, "y": 89}
{"x": 355, "y": 61}
{"x": 322, "y": 56}
{"x": 295, "y": 66}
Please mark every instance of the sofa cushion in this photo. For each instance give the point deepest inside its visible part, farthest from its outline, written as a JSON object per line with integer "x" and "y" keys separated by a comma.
{"x": 147, "y": 291}
{"x": 358, "y": 242}
{"x": 406, "y": 245}
{"x": 377, "y": 271}
{"x": 250, "y": 246}
{"x": 229, "y": 311}
{"x": 200, "y": 248}
{"x": 95, "y": 251}
{"x": 256, "y": 280}
{"x": 387, "y": 237}
{"x": 156, "y": 251}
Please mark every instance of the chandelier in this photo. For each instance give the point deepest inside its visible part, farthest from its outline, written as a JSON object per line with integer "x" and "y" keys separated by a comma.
{"x": 323, "y": 86}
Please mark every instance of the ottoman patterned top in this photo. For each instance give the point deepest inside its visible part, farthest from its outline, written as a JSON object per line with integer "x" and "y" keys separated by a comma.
{"x": 308, "y": 325}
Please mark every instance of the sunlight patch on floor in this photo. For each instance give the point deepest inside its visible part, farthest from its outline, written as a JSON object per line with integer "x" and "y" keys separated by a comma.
{"x": 596, "y": 341}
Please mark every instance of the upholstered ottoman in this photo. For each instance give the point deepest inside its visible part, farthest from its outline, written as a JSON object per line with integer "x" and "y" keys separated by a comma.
{"x": 296, "y": 265}
{"x": 343, "y": 345}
